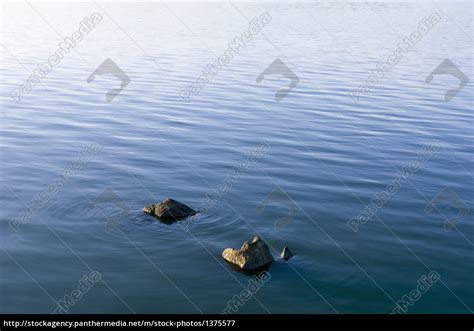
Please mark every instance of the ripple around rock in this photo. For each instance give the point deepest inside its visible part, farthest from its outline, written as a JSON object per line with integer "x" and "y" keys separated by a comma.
{"x": 250, "y": 256}
{"x": 169, "y": 210}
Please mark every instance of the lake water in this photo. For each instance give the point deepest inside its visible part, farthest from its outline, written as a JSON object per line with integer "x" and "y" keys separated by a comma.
{"x": 327, "y": 181}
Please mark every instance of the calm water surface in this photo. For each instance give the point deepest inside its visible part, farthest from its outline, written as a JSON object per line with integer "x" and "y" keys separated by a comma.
{"x": 329, "y": 156}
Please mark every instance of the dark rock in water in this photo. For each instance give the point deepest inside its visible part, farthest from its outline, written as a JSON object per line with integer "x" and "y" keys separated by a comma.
{"x": 286, "y": 254}
{"x": 250, "y": 256}
{"x": 169, "y": 209}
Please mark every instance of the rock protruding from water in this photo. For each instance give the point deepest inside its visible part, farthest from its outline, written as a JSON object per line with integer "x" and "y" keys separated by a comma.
{"x": 169, "y": 209}
{"x": 286, "y": 254}
{"x": 250, "y": 256}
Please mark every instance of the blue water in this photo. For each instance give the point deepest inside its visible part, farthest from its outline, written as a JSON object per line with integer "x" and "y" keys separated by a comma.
{"x": 329, "y": 155}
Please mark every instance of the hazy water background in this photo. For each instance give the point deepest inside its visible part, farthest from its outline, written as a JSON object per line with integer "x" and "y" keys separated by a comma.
{"x": 329, "y": 153}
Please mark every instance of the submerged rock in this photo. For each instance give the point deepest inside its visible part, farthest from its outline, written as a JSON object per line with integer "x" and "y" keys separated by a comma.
{"x": 250, "y": 256}
{"x": 286, "y": 254}
{"x": 169, "y": 209}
